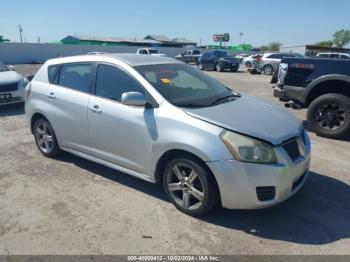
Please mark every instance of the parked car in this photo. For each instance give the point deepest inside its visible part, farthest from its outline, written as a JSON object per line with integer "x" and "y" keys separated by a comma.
{"x": 219, "y": 61}
{"x": 149, "y": 51}
{"x": 97, "y": 53}
{"x": 189, "y": 56}
{"x": 333, "y": 55}
{"x": 161, "y": 120}
{"x": 322, "y": 86}
{"x": 270, "y": 61}
{"x": 11, "y": 85}
{"x": 241, "y": 57}
{"x": 248, "y": 61}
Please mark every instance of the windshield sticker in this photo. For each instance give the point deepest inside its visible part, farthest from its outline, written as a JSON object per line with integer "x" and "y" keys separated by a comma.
{"x": 165, "y": 81}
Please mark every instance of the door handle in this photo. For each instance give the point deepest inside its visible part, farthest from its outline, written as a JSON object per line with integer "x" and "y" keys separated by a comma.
{"x": 52, "y": 96}
{"x": 96, "y": 109}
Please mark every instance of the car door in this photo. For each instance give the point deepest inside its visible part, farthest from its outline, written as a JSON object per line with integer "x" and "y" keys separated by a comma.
{"x": 120, "y": 134}
{"x": 68, "y": 97}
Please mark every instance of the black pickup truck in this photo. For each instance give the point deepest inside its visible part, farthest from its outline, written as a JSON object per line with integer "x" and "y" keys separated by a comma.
{"x": 322, "y": 86}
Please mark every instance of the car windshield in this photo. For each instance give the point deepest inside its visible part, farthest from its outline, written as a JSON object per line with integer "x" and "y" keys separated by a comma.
{"x": 3, "y": 67}
{"x": 183, "y": 85}
{"x": 153, "y": 51}
{"x": 222, "y": 54}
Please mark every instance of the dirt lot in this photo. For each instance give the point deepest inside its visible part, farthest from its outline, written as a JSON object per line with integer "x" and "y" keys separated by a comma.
{"x": 72, "y": 206}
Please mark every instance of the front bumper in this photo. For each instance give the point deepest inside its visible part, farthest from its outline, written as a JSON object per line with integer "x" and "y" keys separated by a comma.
{"x": 231, "y": 66}
{"x": 16, "y": 97}
{"x": 238, "y": 181}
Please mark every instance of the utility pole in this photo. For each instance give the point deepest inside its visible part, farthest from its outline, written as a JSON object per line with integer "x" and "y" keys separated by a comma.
{"x": 39, "y": 39}
{"x": 240, "y": 38}
{"x": 20, "y": 32}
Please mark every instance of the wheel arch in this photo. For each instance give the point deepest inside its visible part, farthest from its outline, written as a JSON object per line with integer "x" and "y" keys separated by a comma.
{"x": 169, "y": 155}
{"x": 34, "y": 117}
{"x": 328, "y": 84}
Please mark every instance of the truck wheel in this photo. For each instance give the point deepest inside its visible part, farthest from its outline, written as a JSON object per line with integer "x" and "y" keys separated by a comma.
{"x": 268, "y": 70}
{"x": 189, "y": 186}
{"x": 329, "y": 116}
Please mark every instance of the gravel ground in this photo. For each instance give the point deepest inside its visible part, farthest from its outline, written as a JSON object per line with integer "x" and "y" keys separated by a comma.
{"x": 72, "y": 206}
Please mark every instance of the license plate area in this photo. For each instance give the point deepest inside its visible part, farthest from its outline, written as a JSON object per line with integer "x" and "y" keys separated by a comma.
{"x": 4, "y": 97}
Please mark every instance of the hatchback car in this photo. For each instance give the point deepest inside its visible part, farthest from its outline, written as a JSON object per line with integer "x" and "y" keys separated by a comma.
{"x": 11, "y": 85}
{"x": 161, "y": 120}
{"x": 218, "y": 60}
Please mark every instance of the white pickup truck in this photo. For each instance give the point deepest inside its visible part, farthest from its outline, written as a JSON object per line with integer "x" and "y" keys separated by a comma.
{"x": 149, "y": 51}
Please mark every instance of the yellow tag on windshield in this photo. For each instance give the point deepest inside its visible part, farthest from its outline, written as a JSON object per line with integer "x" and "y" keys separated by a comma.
{"x": 165, "y": 81}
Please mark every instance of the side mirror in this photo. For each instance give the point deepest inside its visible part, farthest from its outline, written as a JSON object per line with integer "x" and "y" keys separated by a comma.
{"x": 30, "y": 77}
{"x": 11, "y": 67}
{"x": 133, "y": 99}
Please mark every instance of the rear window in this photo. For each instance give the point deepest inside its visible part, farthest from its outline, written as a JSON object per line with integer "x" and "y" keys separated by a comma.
{"x": 76, "y": 76}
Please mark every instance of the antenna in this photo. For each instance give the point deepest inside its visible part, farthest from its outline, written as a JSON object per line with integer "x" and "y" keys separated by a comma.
{"x": 20, "y": 32}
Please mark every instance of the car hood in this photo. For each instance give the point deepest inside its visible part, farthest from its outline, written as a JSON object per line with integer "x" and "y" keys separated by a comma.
{"x": 253, "y": 117}
{"x": 9, "y": 77}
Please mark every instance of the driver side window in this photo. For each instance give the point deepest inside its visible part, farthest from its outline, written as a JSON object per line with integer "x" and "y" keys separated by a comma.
{"x": 112, "y": 82}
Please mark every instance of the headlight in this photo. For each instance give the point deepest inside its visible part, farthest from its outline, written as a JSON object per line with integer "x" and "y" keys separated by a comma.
{"x": 247, "y": 149}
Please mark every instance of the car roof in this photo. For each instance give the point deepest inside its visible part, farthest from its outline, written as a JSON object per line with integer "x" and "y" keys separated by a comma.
{"x": 130, "y": 59}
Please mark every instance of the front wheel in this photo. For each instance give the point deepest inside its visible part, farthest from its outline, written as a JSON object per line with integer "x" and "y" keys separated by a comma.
{"x": 218, "y": 67}
{"x": 329, "y": 116}
{"x": 190, "y": 187}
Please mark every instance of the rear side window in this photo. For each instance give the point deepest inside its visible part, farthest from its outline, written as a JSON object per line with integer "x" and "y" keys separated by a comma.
{"x": 52, "y": 72}
{"x": 196, "y": 52}
{"x": 76, "y": 76}
{"x": 112, "y": 82}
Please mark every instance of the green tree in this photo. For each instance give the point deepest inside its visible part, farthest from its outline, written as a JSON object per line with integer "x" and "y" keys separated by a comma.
{"x": 341, "y": 38}
{"x": 3, "y": 39}
{"x": 328, "y": 43}
{"x": 264, "y": 48}
{"x": 275, "y": 46}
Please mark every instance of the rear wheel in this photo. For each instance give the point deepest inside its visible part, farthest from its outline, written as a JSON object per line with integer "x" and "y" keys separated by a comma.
{"x": 248, "y": 64}
{"x": 329, "y": 116}
{"x": 268, "y": 70}
{"x": 45, "y": 138}
{"x": 190, "y": 187}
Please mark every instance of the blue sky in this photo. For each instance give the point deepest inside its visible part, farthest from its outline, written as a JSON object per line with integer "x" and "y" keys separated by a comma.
{"x": 294, "y": 22}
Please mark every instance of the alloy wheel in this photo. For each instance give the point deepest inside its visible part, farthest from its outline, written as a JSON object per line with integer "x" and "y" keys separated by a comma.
{"x": 330, "y": 116}
{"x": 44, "y": 137}
{"x": 185, "y": 186}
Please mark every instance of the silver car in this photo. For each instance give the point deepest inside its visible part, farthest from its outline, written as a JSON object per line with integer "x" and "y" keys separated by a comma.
{"x": 161, "y": 120}
{"x": 269, "y": 62}
{"x": 11, "y": 85}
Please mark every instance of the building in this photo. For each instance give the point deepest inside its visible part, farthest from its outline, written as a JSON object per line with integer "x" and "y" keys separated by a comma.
{"x": 150, "y": 41}
{"x": 312, "y": 50}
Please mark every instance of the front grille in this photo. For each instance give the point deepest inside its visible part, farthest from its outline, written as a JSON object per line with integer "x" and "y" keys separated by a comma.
{"x": 292, "y": 149}
{"x": 297, "y": 182}
{"x": 9, "y": 87}
{"x": 265, "y": 193}
{"x": 12, "y": 99}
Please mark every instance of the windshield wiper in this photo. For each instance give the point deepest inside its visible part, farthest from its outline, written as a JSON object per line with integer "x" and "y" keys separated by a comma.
{"x": 191, "y": 105}
{"x": 226, "y": 98}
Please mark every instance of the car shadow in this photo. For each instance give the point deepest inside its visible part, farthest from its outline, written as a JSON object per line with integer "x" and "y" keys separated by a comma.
{"x": 12, "y": 110}
{"x": 318, "y": 214}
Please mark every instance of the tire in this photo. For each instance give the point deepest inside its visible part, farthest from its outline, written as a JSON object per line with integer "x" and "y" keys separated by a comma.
{"x": 268, "y": 70}
{"x": 218, "y": 67}
{"x": 200, "y": 187}
{"x": 45, "y": 138}
{"x": 248, "y": 64}
{"x": 200, "y": 65}
{"x": 234, "y": 69}
{"x": 329, "y": 116}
